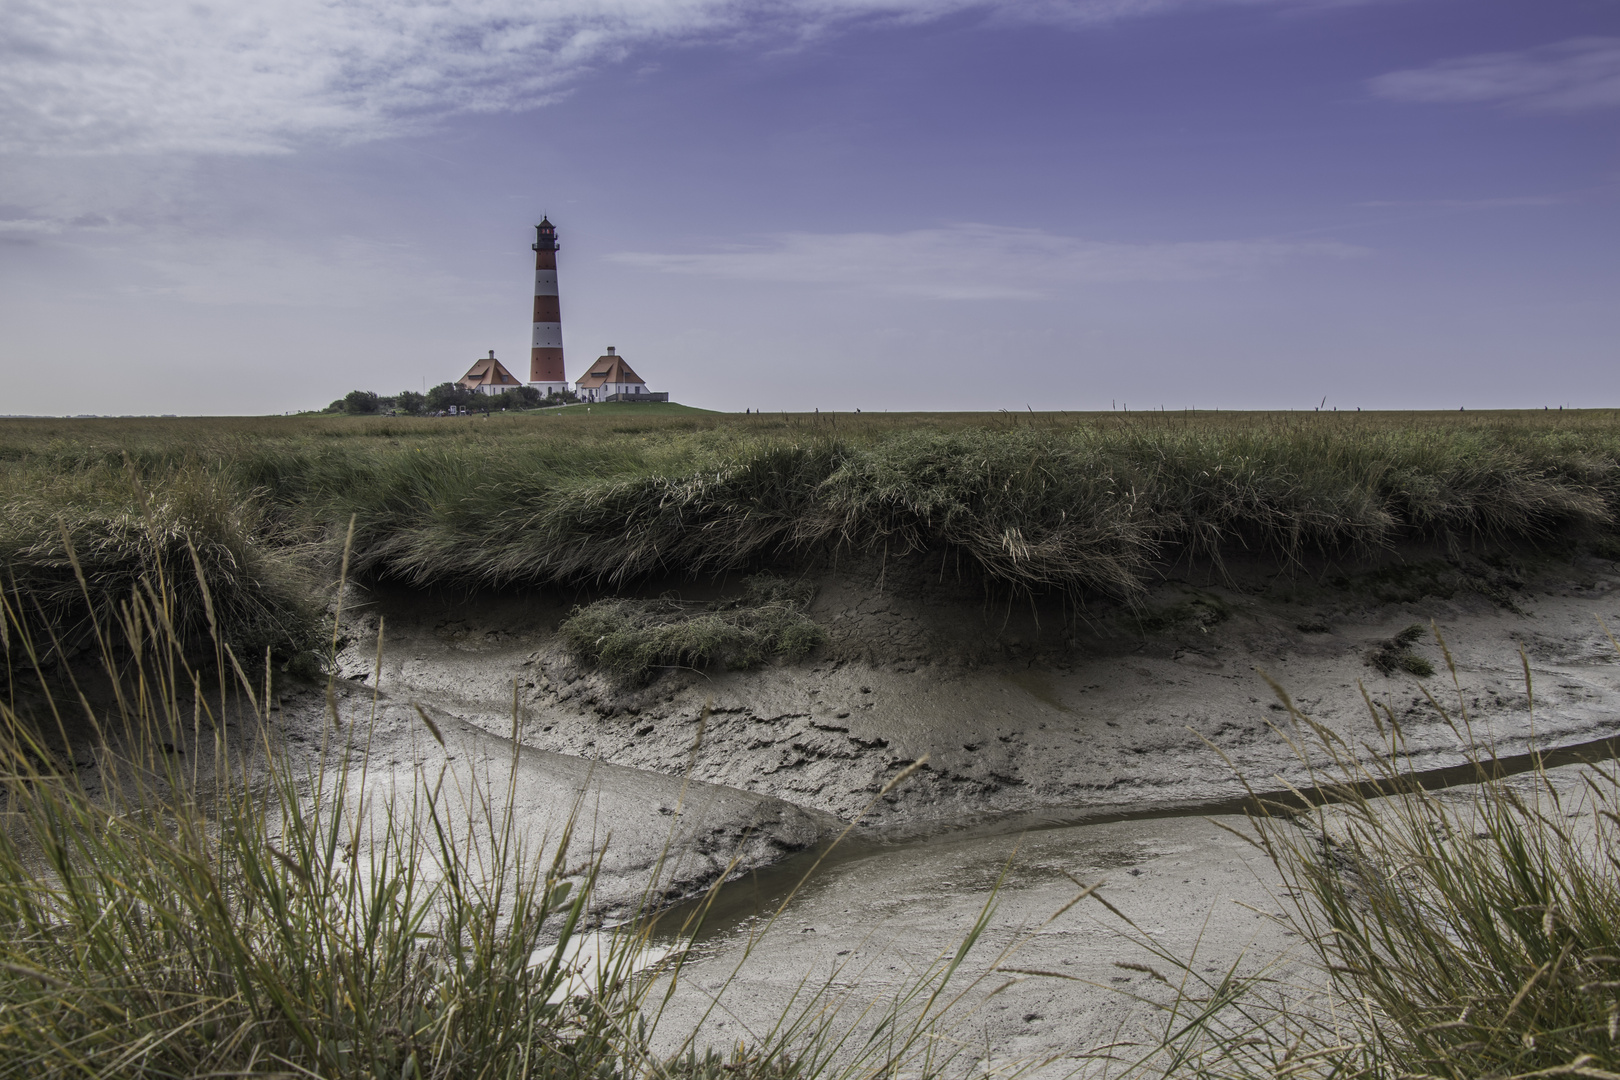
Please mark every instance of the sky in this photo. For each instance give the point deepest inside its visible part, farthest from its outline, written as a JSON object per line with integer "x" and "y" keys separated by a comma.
{"x": 229, "y": 208}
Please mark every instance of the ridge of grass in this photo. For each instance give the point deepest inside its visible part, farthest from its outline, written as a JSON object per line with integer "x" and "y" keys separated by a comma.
{"x": 1088, "y": 505}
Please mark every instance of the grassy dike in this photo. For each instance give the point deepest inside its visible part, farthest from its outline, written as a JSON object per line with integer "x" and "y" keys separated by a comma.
{"x": 604, "y": 495}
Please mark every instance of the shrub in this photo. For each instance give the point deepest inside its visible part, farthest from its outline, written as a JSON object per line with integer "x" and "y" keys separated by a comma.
{"x": 523, "y": 397}
{"x": 440, "y": 398}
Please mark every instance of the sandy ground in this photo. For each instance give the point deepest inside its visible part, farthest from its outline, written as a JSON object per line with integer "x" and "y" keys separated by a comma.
{"x": 658, "y": 837}
{"x": 871, "y": 925}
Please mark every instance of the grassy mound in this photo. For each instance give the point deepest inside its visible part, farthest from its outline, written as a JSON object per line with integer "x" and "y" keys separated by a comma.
{"x": 634, "y": 639}
{"x": 77, "y": 548}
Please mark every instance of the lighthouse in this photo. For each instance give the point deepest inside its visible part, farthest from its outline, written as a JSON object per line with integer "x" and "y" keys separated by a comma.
{"x": 545, "y": 349}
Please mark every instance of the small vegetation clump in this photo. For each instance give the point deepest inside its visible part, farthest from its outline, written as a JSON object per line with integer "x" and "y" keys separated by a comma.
{"x": 1396, "y": 654}
{"x": 633, "y": 639}
{"x": 1200, "y": 612}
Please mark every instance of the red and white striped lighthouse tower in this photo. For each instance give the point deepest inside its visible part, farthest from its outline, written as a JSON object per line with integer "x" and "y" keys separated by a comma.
{"x": 546, "y": 372}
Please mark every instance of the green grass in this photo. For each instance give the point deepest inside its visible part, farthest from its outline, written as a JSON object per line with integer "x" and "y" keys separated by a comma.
{"x": 1085, "y": 504}
{"x": 76, "y": 544}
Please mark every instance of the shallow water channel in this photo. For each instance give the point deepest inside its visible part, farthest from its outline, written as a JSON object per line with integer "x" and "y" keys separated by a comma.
{"x": 761, "y": 892}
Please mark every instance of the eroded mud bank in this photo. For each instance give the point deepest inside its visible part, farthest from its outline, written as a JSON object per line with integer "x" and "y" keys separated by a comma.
{"x": 1019, "y": 707}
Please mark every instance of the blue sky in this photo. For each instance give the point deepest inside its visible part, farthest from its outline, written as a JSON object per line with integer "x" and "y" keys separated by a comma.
{"x": 890, "y": 204}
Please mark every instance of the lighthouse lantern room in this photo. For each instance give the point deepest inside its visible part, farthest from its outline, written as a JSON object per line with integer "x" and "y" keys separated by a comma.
{"x": 546, "y": 373}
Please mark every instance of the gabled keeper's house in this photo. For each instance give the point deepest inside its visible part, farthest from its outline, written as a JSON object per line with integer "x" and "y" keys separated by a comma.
{"x": 611, "y": 379}
{"x": 489, "y": 376}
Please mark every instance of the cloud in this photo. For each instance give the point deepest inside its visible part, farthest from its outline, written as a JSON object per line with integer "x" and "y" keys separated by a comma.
{"x": 222, "y": 76}
{"x": 976, "y": 262}
{"x": 1574, "y": 75}
{"x": 16, "y": 221}
{"x": 29, "y": 226}
{"x": 1498, "y": 203}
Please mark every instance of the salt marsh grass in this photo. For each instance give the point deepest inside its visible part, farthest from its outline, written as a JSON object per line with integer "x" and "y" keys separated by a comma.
{"x": 245, "y": 918}
{"x": 1083, "y": 504}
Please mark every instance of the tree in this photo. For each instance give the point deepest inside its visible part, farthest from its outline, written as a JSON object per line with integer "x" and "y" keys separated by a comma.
{"x": 360, "y": 403}
{"x": 441, "y": 397}
{"x": 410, "y": 402}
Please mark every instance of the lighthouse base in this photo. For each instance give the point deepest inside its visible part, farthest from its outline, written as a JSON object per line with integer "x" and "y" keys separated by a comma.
{"x": 548, "y": 388}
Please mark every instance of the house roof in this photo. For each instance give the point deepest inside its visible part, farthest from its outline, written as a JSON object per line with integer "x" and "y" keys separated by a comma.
{"x": 488, "y": 371}
{"x": 609, "y": 369}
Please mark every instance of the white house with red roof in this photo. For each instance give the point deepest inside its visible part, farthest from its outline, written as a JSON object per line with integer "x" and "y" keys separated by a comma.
{"x": 611, "y": 379}
{"x": 489, "y": 376}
